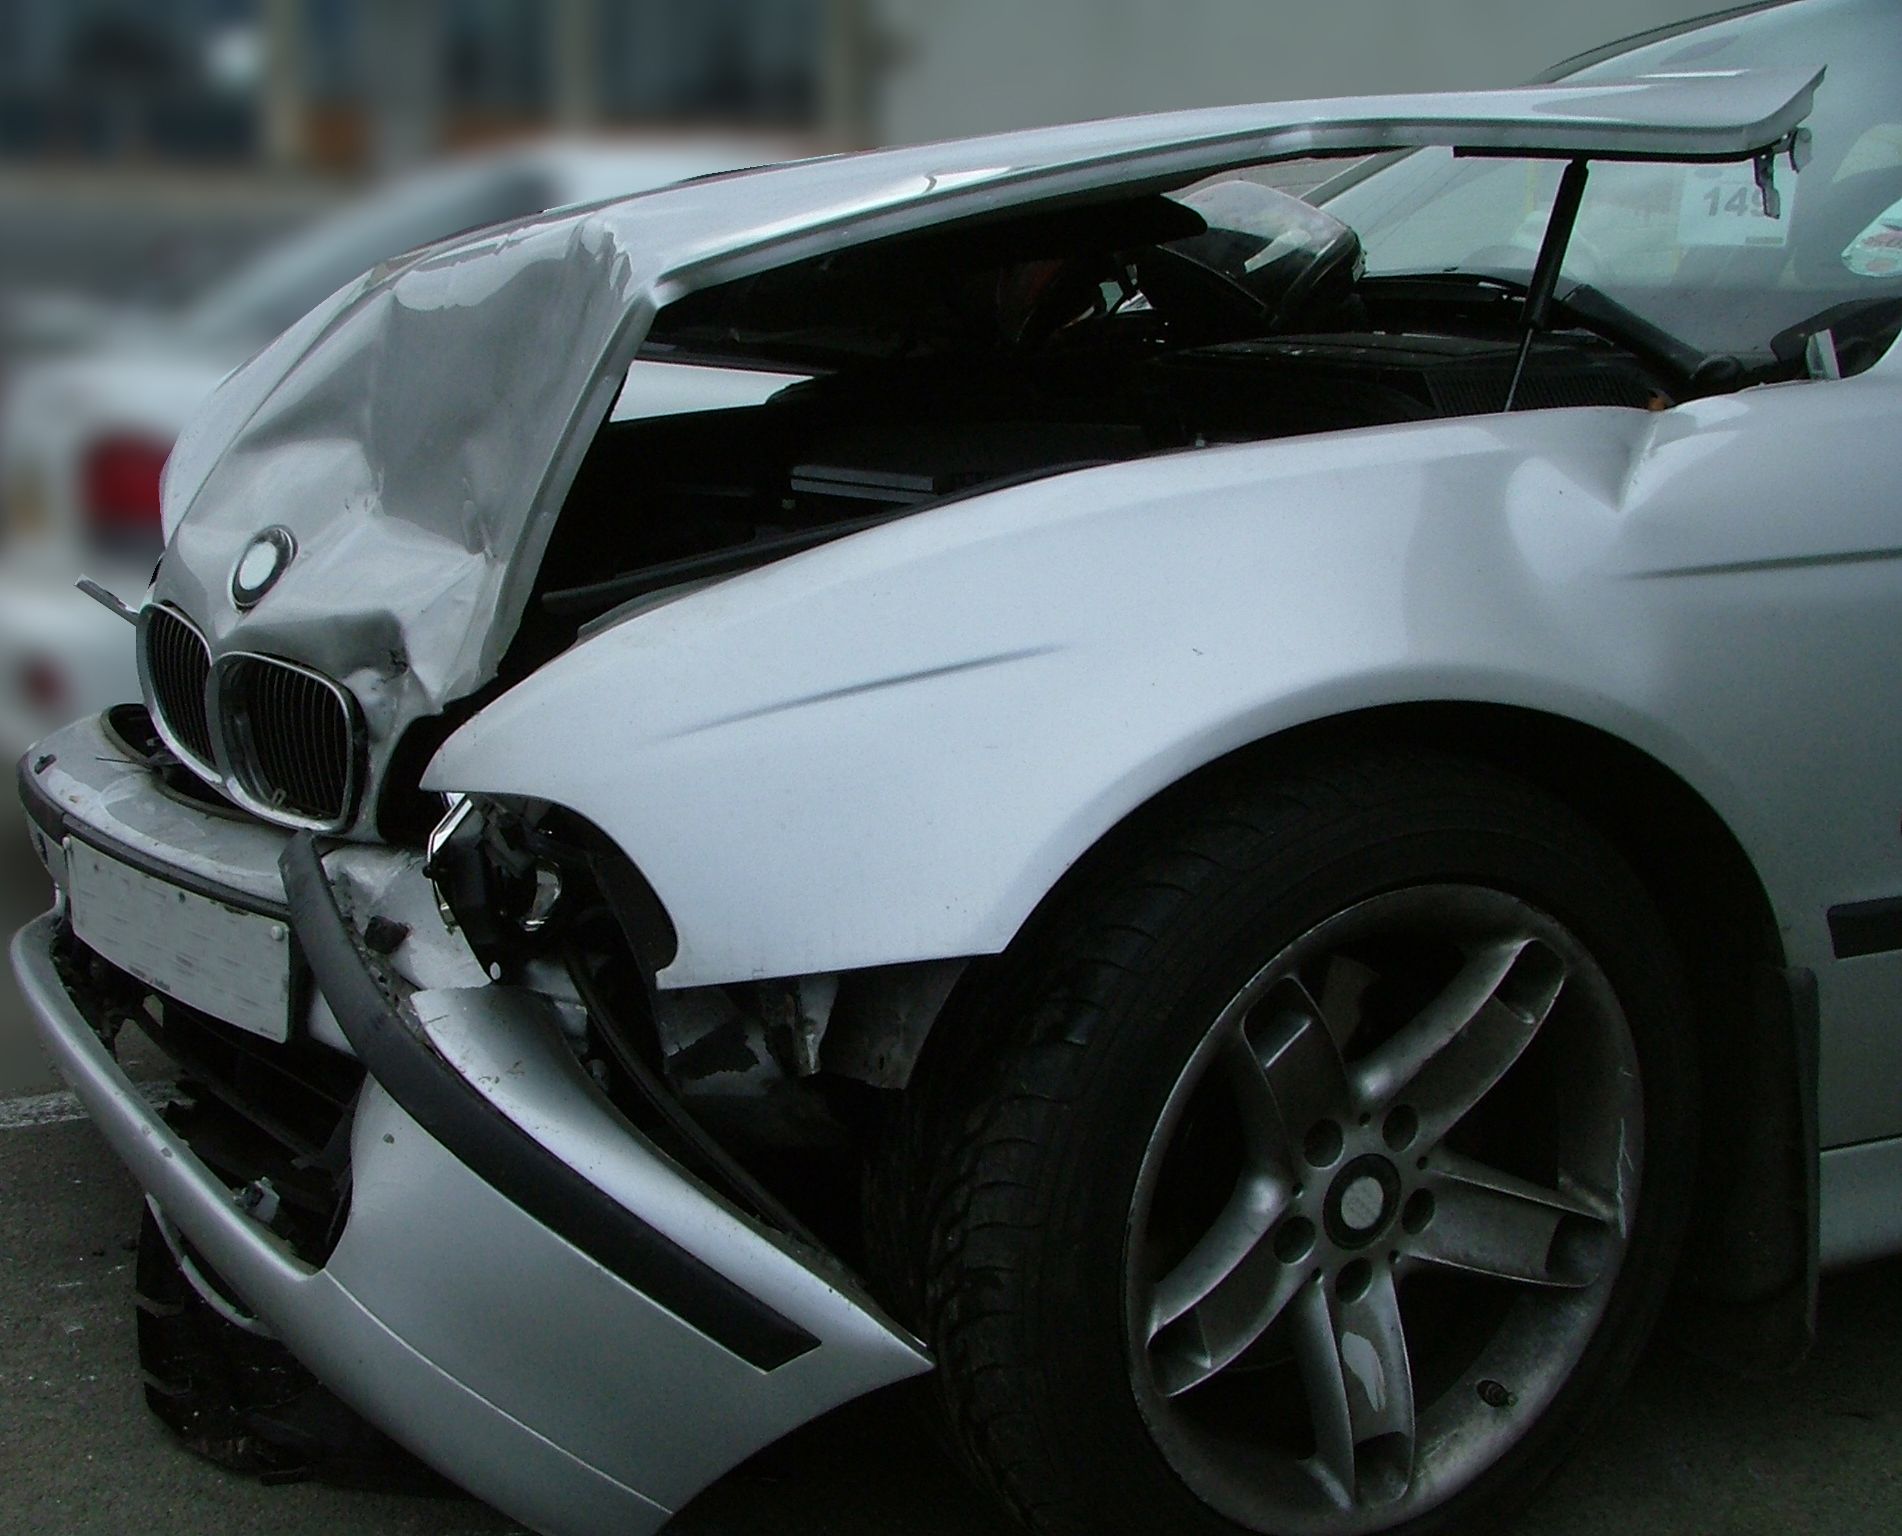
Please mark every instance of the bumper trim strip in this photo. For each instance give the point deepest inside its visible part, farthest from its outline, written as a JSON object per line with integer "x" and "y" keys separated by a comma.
{"x": 433, "y": 1093}
{"x": 184, "y": 879}
{"x": 44, "y": 812}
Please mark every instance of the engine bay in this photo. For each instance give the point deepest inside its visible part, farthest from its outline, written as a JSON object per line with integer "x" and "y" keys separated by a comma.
{"x": 970, "y": 358}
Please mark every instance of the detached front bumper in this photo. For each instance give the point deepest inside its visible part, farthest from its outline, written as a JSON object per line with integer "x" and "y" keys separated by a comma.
{"x": 525, "y": 1292}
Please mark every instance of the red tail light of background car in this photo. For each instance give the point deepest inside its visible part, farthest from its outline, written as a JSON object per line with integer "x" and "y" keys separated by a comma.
{"x": 119, "y": 488}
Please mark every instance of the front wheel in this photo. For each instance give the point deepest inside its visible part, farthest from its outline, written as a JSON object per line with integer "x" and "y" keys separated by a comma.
{"x": 1326, "y": 1170}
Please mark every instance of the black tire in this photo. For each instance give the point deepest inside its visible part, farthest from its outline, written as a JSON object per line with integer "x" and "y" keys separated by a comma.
{"x": 1024, "y": 1139}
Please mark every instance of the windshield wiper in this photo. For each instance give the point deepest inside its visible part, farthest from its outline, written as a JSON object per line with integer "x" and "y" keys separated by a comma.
{"x": 1653, "y": 346}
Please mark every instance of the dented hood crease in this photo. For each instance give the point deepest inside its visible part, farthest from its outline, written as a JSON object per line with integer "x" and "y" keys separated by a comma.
{"x": 417, "y": 431}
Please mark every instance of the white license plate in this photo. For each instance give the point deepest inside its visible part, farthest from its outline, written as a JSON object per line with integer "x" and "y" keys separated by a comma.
{"x": 229, "y": 963}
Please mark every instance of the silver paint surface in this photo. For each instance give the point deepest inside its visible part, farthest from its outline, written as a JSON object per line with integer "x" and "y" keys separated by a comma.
{"x": 1673, "y": 579}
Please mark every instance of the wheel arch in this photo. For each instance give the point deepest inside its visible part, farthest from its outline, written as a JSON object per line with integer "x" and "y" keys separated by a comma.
{"x": 1681, "y": 847}
{"x": 1748, "y": 1278}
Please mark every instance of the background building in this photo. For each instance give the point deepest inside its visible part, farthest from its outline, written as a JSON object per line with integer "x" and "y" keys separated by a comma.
{"x": 350, "y": 83}
{"x": 948, "y": 67}
{"x": 148, "y": 146}
{"x": 345, "y": 84}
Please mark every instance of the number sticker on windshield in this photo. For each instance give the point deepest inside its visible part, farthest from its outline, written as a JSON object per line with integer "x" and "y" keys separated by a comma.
{"x": 1721, "y": 205}
{"x": 1877, "y": 251}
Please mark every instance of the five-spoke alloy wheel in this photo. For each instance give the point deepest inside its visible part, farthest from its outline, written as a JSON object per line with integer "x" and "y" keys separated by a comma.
{"x": 1337, "y": 1101}
{"x": 1314, "y": 1165}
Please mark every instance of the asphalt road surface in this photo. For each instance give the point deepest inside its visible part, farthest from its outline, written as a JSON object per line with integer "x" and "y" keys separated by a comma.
{"x": 1688, "y": 1449}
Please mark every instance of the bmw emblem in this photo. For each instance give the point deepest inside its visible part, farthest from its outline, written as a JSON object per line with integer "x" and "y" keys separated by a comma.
{"x": 264, "y": 559}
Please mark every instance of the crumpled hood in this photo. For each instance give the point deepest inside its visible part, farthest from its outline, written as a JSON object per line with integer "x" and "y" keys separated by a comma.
{"x": 417, "y": 431}
{"x": 401, "y": 432}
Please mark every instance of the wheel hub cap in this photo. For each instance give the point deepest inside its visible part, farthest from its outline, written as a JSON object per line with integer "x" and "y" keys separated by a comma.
{"x": 1362, "y": 1201}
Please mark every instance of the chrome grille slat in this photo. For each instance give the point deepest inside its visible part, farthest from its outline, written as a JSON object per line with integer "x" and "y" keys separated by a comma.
{"x": 297, "y": 706}
{"x": 330, "y": 756}
{"x": 290, "y": 737}
{"x": 178, "y": 665}
{"x": 285, "y": 755}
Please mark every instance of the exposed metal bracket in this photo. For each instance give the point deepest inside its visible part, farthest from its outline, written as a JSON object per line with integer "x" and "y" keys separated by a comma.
{"x": 1766, "y": 167}
{"x": 106, "y": 599}
{"x": 1797, "y": 147}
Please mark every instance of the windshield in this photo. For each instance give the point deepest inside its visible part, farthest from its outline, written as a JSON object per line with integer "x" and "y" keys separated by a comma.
{"x": 1689, "y": 248}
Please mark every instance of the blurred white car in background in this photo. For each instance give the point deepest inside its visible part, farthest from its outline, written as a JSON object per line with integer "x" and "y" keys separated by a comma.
{"x": 84, "y": 436}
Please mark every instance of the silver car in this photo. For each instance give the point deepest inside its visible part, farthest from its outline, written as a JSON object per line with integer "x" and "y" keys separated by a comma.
{"x": 1242, "y": 832}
